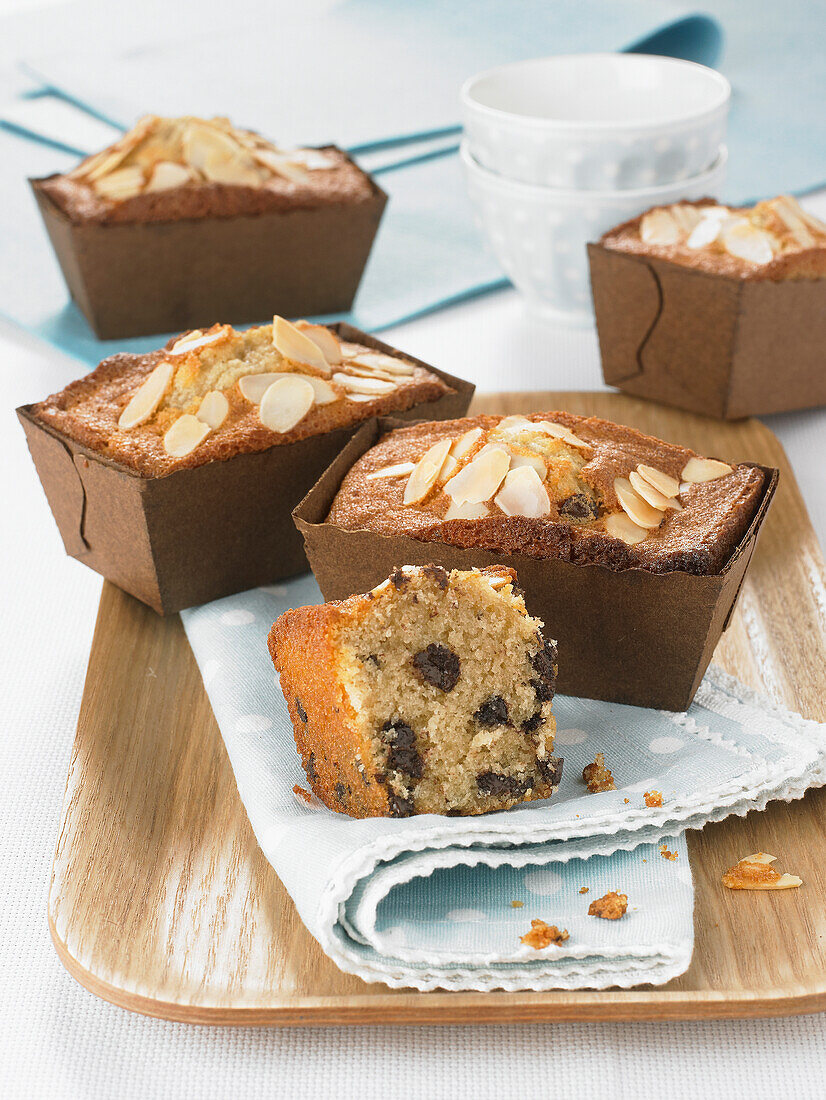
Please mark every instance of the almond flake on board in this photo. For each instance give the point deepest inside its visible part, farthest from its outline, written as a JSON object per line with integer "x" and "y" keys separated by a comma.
{"x": 755, "y": 872}
{"x": 147, "y": 397}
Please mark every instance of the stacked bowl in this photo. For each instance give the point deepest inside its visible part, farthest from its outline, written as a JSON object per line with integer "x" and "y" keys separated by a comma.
{"x": 558, "y": 150}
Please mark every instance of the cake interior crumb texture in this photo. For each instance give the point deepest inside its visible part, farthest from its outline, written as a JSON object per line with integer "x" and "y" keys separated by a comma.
{"x": 445, "y": 686}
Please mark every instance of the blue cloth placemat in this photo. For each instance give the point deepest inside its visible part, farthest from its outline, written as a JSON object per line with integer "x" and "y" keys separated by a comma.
{"x": 378, "y": 71}
{"x": 426, "y": 901}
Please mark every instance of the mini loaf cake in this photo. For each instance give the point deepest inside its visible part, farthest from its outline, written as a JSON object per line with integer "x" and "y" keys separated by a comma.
{"x": 774, "y": 240}
{"x": 553, "y": 485}
{"x": 211, "y": 395}
{"x": 430, "y": 694}
{"x": 169, "y": 169}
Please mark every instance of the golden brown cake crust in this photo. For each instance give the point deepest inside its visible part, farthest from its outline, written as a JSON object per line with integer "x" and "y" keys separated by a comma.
{"x": 699, "y": 539}
{"x": 88, "y": 411}
{"x": 801, "y": 263}
{"x": 345, "y": 183}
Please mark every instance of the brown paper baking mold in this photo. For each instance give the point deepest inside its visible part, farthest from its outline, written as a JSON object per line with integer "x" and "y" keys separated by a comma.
{"x": 138, "y": 280}
{"x": 627, "y": 636}
{"x": 198, "y": 534}
{"x": 712, "y": 344}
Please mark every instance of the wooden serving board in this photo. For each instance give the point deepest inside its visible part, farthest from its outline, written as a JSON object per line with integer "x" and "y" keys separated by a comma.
{"x": 161, "y": 901}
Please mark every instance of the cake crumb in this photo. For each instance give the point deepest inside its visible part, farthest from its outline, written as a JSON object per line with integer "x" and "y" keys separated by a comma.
{"x": 583, "y": 889}
{"x": 610, "y": 906}
{"x": 543, "y": 935}
{"x": 303, "y": 794}
{"x": 597, "y": 776}
{"x": 755, "y": 872}
{"x": 517, "y": 904}
{"x": 653, "y": 798}
{"x": 664, "y": 852}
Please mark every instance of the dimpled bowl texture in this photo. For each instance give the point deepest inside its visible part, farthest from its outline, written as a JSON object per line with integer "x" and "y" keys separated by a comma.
{"x": 596, "y": 122}
{"x": 539, "y": 234}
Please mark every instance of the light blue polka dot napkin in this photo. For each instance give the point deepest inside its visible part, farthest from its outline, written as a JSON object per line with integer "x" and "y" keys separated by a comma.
{"x": 427, "y": 901}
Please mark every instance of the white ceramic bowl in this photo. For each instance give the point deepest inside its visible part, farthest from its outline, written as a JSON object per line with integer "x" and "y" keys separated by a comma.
{"x": 539, "y": 234}
{"x": 598, "y": 122}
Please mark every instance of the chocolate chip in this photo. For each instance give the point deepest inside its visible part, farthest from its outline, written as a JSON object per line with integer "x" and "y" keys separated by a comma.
{"x": 340, "y": 790}
{"x": 493, "y": 712}
{"x": 312, "y": 774}
{"x": 437, "y": 574}
{"x": 438, "y": 665}
{"x": 533, "y": 723}
{"x": 551, "y": 770}
{"x": 398, "y": 578}
{"x": 544, "y": 690}
{"x": 372, "y": 659}
{"x": 498, "y": 785}
{"x": 399, "y": 806}
{"x": 302, "y": 714}
{"x": 579, "y": 506}
{"x": 545, "y": 661}
{"x": 403, "y": 756}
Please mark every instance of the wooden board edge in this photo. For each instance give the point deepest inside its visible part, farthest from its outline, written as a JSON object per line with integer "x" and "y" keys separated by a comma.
{"x": 457, "y": 1008}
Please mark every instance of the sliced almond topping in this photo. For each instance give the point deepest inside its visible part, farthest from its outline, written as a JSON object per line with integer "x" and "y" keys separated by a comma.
{"x": 619, "y": 526}
{"x": 254, "y": 386}
{"x": 465, "y": 443}
{"x": 664, "y": 483}
{"x": 747, "y": 242}
{"x": 147, "y": 397}
{"x": 685, "y": 215}
{"x": 286, "y": 403}
{"x": 377, "y": 360}
{"x": 514, "y": 424}
{"x": 218, "y": 155}
{"x": 523, "y": 494}
{"x": 312, "y": 159}
{"x": 122, "y": 184}
{"x": 360, "y": 397}
{"x": 710, "y": 228}
{"x": 166, "y": 175}
{"x": 789, "y": 213}
{"x": 106, "y": 161}
{"x": 425, "y": 472}
{"x": 659, "y": 227}
{"x": 298, "y": 347}
{"x": 704, "y": 469}
{"x": 364, "y": 385}
{"x": 756, "y": 873}
{"x": 185, "y": 435}
{"x": 197, "y": 339}
{"x": 354, "y": 370}
{"x": 813, "y": 223}
{"x": 281, "y": 164}
{"x": 559, "y": 431}
{"x": 480, "y": 479}
{"x": 651, "y": 495}
{"x": 324, "y": 392}
{"x": 632, "y": 503}
{"x": 327, "y": 342}
{"x": 500, "y": 581}
{"x": 467, "y": 511}
{"x": 399, "y": 470}
{"x": 684, "y": 487}
{"x": 534, "y": 461}
{"x": 213, "y": 410}
{"x": 448, "y": 468}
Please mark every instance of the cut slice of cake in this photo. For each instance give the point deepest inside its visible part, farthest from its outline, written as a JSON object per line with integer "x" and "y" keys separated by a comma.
{"x": 430, "y": 694}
